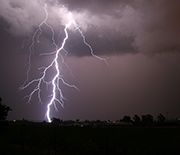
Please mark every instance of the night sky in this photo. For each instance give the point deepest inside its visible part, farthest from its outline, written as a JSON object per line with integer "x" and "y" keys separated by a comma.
{"x": 141, "y": 40}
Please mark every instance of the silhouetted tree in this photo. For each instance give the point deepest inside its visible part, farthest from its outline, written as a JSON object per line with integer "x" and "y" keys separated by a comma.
{"x": 137, "y": 120}
{"x": 3, "y": 111}
{"x": 147, "y": 119}
{"x": 160, "y": 118}
{"x": 55, "y": 120}
{"x": 126, "y": 119}
{"x": 86, "y": 121}
{"x": 98, "y": 121}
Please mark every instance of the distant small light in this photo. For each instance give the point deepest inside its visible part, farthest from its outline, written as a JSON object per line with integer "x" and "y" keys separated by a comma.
{"x": 14, "y": 120}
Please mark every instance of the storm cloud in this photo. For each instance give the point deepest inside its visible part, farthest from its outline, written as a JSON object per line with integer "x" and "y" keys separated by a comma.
{"x": 124, "y": 26}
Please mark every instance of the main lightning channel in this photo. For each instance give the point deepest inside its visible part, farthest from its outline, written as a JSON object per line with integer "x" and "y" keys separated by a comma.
{"x": 55, "y": 80}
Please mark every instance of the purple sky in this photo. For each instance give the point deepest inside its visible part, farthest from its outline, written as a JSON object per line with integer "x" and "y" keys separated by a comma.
{"x": 141, "y": 39}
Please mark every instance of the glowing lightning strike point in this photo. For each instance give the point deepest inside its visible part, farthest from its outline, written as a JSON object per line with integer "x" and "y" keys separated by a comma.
{"x": 57, "y": 77}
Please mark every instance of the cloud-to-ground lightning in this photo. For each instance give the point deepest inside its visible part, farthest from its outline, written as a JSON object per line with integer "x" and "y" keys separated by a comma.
{"x": 53, "y": 64}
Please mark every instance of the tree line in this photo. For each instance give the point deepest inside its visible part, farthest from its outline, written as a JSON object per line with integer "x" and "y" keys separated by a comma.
{"x": 144, "y": 119}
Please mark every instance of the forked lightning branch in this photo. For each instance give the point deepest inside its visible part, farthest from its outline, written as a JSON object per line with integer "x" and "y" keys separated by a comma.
{"x": 58, "y": 60}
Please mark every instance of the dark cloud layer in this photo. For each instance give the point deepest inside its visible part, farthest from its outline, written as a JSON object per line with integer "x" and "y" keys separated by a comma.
{"x": 150, "y": 26}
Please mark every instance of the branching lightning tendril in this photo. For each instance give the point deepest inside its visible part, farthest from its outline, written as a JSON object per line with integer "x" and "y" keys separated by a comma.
{"x": 57, "y": 77}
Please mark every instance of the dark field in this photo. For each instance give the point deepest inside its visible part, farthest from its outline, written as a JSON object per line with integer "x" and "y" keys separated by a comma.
{"x": 48, "y": 139}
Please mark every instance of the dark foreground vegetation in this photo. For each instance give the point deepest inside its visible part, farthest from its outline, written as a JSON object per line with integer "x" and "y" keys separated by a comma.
{"x": 140, "y": 136}
{"x": 51, "y": 139}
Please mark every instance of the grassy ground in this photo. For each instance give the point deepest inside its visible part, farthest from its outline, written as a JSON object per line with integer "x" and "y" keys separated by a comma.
{"x": 48, "y": 139}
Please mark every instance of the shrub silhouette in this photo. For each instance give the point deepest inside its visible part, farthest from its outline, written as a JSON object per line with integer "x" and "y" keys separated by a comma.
{"x": 3, "y": 111}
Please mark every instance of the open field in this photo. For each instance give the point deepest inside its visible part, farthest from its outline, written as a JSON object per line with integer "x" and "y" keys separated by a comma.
{"x": 48, "y": 139}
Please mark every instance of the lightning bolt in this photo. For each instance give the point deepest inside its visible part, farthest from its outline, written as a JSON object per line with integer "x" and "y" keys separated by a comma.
{"x": 54, "y": 64}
